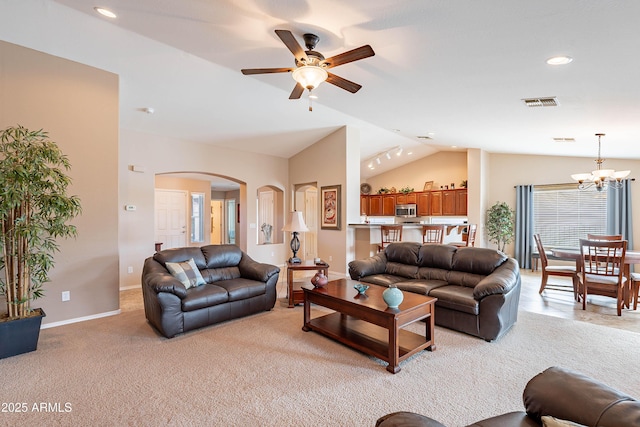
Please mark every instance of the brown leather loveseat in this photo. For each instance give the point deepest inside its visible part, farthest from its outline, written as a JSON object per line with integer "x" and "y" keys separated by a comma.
{"x": 555, "y": 397}
{"x": 234, "y": 286}
{"x": 478, "y": 289}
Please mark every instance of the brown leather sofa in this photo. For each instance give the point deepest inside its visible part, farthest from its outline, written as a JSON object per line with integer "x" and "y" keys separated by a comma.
{"x": 478, "y": 289}
{"x": 559, "y": 393}
{"x": 236, "y": 286}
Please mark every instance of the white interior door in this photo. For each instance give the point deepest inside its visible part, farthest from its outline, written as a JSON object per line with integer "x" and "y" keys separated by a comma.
{"x": 171, "y": 218}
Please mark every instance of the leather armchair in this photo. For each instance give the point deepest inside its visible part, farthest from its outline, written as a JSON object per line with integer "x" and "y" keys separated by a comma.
{"x": 557, "y": 392}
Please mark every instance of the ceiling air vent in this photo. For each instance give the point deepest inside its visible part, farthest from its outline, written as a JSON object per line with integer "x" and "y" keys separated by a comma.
{"x": 564, "y": 139}
{"x": 541, "y": 102}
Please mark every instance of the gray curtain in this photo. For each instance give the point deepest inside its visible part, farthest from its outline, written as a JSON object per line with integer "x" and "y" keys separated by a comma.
{"x": 524, "y": 225}
{"x": 619, "y": 217}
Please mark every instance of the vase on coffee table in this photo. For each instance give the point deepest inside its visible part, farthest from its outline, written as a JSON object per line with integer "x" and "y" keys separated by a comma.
{"x": 392, "y": 296}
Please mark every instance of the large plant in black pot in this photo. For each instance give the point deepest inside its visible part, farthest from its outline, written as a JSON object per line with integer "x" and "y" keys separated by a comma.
{"x": 34, "y": 211}
{"x": 500, "y": 225}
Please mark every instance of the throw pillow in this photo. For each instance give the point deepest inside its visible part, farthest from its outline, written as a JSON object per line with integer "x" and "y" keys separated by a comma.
{"x": 549, "y": 421}
{"x": 186, "y": 272}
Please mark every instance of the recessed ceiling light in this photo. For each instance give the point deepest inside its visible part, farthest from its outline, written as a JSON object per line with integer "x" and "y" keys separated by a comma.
{"x": 105, "y": 12}
{"x": 559, "y": 60}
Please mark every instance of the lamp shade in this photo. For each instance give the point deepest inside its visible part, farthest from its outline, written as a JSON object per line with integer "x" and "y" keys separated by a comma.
{"x": 295, "y": 223}
{"x": 310, "y": 76}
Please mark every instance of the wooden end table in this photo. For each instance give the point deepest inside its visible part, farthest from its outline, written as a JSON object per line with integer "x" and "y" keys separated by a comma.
{"x": 365, "y": 323}
{"x": 296, "y": 296}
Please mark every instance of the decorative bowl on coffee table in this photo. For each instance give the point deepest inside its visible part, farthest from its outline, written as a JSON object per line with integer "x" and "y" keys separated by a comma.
{"x": 361, "y": 288}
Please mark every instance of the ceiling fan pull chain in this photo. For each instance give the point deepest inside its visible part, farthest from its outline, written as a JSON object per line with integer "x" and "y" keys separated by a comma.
{"x": 310, "y": 100}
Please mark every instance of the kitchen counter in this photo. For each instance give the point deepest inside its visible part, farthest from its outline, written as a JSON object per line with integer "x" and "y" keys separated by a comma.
{"x": 368, "y": 235}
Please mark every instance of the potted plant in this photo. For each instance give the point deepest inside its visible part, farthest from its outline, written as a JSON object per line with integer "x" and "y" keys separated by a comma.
{"x": 500, "y": 224}
{"x": 406, "y": 190}
{"x": 34, "y": 211}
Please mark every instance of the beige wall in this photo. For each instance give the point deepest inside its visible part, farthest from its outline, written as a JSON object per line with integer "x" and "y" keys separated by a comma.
{"x": 442, "y": 168}
{"x": 78, "y": 106}
{"x": 331, "y": 161}
{"x": 158, "y": 155}
{"x": 505, "y": 171}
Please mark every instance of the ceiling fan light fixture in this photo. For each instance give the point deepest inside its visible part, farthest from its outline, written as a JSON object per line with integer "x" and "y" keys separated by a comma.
{"x": 310, "y": 76}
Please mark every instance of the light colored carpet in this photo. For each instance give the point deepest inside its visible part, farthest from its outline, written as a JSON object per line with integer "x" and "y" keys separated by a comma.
{"x": 264, "y": 370}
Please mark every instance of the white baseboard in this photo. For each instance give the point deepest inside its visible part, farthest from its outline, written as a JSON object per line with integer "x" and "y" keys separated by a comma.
{"x": 127, "y": 288}
{"x": 80, "y": 319}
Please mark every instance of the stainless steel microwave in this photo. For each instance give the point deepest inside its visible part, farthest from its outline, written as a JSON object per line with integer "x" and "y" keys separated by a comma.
{"x": 406, "y": 211}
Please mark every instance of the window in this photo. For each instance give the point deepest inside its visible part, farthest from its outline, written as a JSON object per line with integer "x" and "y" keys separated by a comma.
{"x": 197, "y": 217}
{"x": 231, "y": 221}
{"x": 562, "y": 214}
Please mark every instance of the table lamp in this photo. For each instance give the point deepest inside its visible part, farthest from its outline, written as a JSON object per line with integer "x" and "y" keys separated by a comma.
{"x": 295, "y": 225}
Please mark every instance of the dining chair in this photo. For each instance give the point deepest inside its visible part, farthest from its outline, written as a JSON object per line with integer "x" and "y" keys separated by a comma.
{"x": 432, "y": 234}
{"x": 635, "y": 289}
{"x": 554, "y": 270}
{"x": 605, "y": 237}
{"x": 389, "y": 234}
{"x": 602, "y": 271}
{"x": 469, "y": 238}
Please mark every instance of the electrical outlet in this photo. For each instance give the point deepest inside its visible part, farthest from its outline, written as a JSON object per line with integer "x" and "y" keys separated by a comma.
{"x": 130, "y": 269}
{"x": 330, "y": 258}
{"x": 66, "y": 295}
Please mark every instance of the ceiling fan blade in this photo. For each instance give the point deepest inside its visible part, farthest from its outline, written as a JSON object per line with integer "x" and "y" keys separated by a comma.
{"x": 343, "y": 83}
{"x": 349, "y": 56}
{"x": 248, "y": 71}
{"x": 297, "y": 92}
{"x": 292, "y": 44}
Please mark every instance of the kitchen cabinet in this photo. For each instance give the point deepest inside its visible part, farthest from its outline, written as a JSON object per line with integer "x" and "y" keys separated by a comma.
{"x": 449, "y": 202}
{"x": 424, "y": 203}
{"x": 364, "y": 205}
{"x": 405, "y": 199}
{"x": 375, "y": 205}
{"x": 388, "y": 205}
{"x": 436, "y": 203}
{"x": 440, "y": 202}
{"x": 461, "y": 202}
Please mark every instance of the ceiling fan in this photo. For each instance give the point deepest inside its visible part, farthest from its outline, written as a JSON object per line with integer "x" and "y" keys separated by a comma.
{"x": 311, "y": 66}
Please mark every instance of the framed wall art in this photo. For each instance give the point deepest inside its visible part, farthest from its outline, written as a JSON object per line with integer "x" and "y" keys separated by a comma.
{"x": 330, "y": 214}
{"x": 428, "y": 186}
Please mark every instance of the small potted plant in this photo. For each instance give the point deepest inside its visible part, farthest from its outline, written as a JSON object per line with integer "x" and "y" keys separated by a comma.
{"x": 406, "y": 190}
{"x": 500, "y": 224}
{"x": 34, "y": 211}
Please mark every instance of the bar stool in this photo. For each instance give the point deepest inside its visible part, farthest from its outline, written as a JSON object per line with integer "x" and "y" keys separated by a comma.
{"x": 389, "y": 234}
{"x": 471, "y": 237}
{"x": 432, "y": 234}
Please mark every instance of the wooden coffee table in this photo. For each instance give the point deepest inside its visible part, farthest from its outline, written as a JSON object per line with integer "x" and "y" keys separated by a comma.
{"x": 365, "y": 323}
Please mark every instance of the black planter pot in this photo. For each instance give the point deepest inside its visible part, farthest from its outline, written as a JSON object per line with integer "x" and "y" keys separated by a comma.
{"x": 20, "y": 336}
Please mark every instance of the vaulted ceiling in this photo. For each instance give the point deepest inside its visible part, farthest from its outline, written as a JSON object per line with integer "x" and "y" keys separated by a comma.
{"x": 453, "y": 71}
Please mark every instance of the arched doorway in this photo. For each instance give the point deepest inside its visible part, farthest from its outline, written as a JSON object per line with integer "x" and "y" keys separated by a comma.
{"x": 210, "y": 212}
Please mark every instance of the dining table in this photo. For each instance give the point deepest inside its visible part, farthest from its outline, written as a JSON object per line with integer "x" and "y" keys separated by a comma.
{"x": 630, "y": 258}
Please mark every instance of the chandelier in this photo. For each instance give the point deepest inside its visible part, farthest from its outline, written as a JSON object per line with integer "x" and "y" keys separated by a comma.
{"x": 600, "y": 178}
